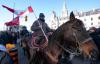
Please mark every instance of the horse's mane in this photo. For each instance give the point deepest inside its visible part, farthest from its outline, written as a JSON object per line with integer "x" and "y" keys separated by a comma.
{"x": 58, "y": 34}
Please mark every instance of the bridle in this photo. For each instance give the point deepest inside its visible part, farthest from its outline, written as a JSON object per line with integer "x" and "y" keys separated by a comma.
{"x": 78, "y": 43}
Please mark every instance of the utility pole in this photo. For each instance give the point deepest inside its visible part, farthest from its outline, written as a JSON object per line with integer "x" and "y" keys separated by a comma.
{"x": 13, "y": 8}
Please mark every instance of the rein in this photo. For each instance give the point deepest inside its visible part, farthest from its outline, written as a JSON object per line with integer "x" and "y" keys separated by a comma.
{"x": 43, "y": 31}
{"x": 77, "y": 43}
{"x": 74, "y": 53}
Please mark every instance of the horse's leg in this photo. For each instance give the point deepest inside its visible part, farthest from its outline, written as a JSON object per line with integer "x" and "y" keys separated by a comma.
{"x": 38, "y": 58}
{"x": 28, "y": 51}
{"x": 32, "y": 59}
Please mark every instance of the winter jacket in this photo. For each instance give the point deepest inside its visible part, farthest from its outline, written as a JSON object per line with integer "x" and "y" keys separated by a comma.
{"x": 37, "y": 30}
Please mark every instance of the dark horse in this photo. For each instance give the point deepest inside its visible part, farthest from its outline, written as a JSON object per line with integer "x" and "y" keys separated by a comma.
{"x": 70, "y": 37}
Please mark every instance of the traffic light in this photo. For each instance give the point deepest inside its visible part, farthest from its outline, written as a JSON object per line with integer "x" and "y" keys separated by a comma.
{"x": 25, "y": 18}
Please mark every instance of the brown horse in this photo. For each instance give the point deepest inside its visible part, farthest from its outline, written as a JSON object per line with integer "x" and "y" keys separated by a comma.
{"x": 70, "y": 37}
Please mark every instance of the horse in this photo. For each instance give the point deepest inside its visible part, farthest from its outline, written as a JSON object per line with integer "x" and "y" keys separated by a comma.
{"x": 70, "y": 37}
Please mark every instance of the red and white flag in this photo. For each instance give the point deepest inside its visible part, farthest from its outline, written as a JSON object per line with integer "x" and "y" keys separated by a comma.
{"x": 18, "y": 12}
{"x": 29, "y": 10}
{"x": 14, "y": 22}
{"x": 12, "y": 10}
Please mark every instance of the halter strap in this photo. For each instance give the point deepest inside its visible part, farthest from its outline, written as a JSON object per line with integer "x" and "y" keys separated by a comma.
{"x": 74, "y": 53}
{"x": 88, "y": 39}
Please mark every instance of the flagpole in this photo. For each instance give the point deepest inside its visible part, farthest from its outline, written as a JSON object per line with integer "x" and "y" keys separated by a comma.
{"x": 13, "y": 8}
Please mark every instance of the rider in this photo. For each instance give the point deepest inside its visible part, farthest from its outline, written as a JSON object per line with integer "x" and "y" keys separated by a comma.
{"x": 40, "y": 22}
{"x": 24, "y": 32}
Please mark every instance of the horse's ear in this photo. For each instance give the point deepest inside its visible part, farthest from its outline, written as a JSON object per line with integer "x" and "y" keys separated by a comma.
{"x": 72, "y": 16}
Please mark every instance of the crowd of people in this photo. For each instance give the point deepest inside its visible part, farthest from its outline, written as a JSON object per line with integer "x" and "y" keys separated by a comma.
{"x": 39, "y": 28}
{"x": 8, "y": 43}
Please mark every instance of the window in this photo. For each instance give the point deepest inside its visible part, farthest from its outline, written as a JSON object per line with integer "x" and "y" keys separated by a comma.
{"x": 91, "y": 19}
{"x": 84, "y": 19}
{"x": 99, "y": 17}
{"x": 92, "y": 23}
{"x": 98, "y": 22}
{"x": 54, "y": 26}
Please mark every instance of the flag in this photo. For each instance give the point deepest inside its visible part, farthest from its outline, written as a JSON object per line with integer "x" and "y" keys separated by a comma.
{"x": 29, "y": 10}
{"x": 18, "y": 12}
{"x": 12, "y": 10}
{"x": 14, "y": 22}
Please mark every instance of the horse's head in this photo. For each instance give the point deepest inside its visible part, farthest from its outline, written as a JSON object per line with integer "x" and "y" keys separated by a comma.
{"x": 76, "y": 35}
{"x": 77, "y": 30}
{"x": 71, "y": 37}
{"x": 72, "y": 33}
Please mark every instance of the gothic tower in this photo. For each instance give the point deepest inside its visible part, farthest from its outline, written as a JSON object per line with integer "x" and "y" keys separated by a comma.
{"x": 64, "y": 10}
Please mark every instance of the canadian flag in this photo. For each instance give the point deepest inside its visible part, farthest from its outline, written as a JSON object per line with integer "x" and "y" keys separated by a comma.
{"x": 19, "y": 13}
{"x": 13, "y": 22}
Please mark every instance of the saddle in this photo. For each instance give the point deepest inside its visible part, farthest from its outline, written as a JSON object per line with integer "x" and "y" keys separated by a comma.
{"x": 39, "y": 41}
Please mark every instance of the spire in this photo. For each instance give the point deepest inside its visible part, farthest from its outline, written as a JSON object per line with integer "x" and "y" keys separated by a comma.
{"x": 64, "y": 10}
{"x": 64, "y": 6}
{"x": 54, "y": 14}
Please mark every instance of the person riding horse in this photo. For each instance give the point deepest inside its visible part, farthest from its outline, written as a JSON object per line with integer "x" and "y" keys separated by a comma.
{"x": 38, "y": 25}
{"x": 71, "y": 37}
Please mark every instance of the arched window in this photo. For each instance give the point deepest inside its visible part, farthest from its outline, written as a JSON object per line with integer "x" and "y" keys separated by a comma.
{"x": 99, "y": 17}
{"x": 92, "y": 23}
